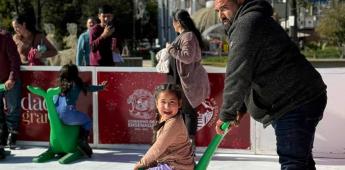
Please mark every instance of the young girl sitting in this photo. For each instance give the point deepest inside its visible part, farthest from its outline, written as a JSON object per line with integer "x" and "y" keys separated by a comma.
{"x": 71, "y": 85}
{"x": 171, "y": 147}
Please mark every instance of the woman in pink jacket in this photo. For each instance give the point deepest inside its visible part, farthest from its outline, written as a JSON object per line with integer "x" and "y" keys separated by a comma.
{"x": 186, "y": 70}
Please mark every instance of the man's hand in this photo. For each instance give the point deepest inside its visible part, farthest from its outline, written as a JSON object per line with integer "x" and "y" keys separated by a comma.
{"x": 108, "y": 31}
{"x": 9, "y": 84}
{"x": 239, "y": 117}
{"x": 235, "y": 123}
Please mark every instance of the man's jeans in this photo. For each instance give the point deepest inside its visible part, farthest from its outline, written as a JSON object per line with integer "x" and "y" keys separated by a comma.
{"x": 12, "y": 119}
{"x": 295, "y": 132}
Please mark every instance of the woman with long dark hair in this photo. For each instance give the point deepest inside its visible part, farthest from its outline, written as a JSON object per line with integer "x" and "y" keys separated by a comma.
{"x": 32, "y": 45}
{"x": 185, "y": 68}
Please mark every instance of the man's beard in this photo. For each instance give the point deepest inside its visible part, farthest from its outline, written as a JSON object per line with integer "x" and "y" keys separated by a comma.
{"x": 228, "y": 24}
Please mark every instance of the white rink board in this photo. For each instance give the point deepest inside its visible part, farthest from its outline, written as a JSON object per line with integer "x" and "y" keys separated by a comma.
{"x": 330, "y": 133}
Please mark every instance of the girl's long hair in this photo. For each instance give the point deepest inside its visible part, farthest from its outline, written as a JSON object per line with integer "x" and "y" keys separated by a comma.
{"x": 175, "y": 89}
{"x": 69, "y": 74}
{"x": 187, "y": 23}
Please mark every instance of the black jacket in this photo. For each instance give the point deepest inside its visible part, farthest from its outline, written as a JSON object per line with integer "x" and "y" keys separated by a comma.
{"x": 266, "y": 70}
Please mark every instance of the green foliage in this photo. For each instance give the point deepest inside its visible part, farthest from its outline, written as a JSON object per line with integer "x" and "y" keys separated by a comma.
{"x": 315, "y": 51}
{"x": 219, "y": 61}
{"x": 332, "y": 25}
{"x": 61, "y": 12}
{"x": 5, "y": 22}
{"x": 9, "y": 9}
{"x": 311, "y": 51}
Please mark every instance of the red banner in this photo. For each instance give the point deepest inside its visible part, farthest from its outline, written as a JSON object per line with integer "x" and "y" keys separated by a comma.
{"x": 126, "y": 111}
{"x": 237, "y": 138}
{"x": 126, "y": 107}
{"x": 34, "y": 125}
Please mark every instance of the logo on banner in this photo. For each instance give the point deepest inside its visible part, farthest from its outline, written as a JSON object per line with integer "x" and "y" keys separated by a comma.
{"x": 207, "y": 113}
{"x": 141, "y": 104}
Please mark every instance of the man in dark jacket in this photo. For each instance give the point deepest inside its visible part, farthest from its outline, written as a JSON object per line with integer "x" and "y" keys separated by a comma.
{"x": 9, "y": 75}
{"x": 269, "y": 78}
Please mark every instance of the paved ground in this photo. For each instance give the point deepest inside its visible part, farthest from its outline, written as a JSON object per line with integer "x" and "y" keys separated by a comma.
{"x": 124, "y": 159}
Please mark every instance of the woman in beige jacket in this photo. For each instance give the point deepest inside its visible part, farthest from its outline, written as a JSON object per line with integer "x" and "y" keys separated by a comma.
{"x": 186, "y": 69}
{"x": 171, "y": 149}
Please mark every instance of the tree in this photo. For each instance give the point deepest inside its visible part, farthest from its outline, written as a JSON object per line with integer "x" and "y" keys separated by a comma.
{"x": 5, "y": 10}
{"x": 9, "y": 9}
{"x": 61, "y": 12}
{"x": 332, "y": 26}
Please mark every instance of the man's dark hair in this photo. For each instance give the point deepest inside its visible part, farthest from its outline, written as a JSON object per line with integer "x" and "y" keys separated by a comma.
{"x": 105, "y": 9}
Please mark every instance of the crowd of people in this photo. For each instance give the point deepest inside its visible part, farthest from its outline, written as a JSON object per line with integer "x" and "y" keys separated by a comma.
{"x": 266, "y": 77}
{"x": 96, "y": 46}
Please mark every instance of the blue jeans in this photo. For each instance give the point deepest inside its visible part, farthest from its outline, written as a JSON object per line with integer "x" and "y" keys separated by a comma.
{"x": 69, "y": 114}
{"x": 295, "y": 133}
{"x": 13, "y": 98}
{"x": 10, "y": 122}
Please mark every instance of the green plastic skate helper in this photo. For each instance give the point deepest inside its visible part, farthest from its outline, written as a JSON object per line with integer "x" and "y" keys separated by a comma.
{"x": 212, "y": 147}
{"x": 63, "y": 138}
{"x": 2, "y": 87}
